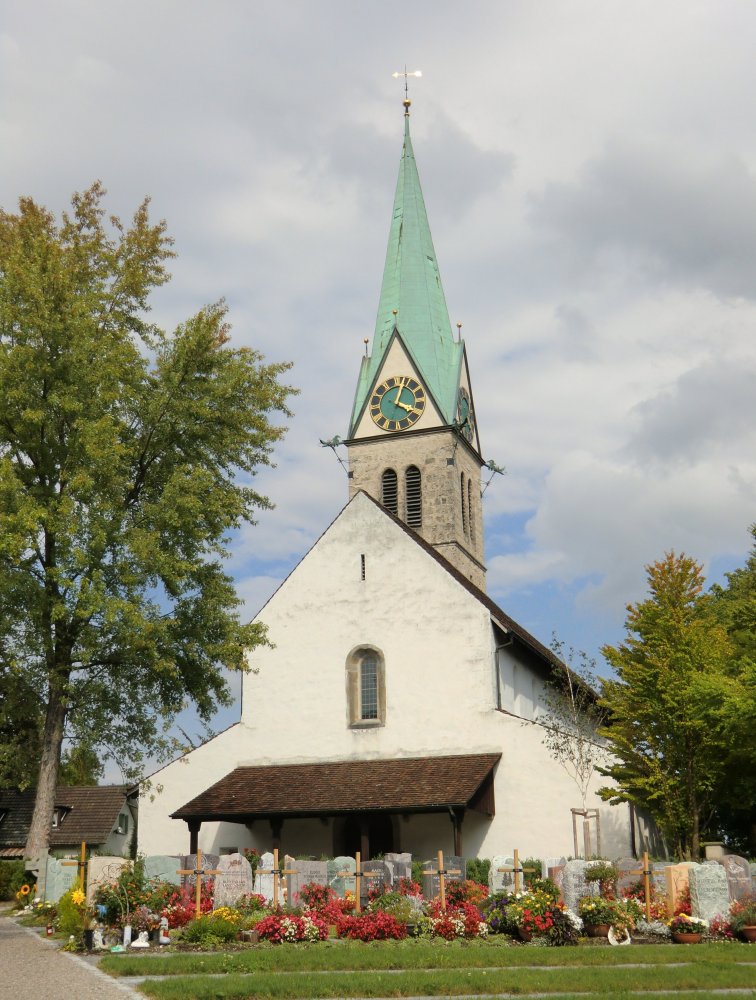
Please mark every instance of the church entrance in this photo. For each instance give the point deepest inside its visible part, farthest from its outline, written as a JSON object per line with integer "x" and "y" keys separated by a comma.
{"x": 369, "y": 833}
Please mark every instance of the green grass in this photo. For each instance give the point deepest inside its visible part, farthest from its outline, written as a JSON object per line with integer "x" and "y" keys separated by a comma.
{"x": 597, "y": 981}
{"x": 339, "y": 956}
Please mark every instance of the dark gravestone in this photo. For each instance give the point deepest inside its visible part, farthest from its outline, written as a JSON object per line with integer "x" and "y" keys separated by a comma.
{"x": 306, "y": 872}
{"x": 455, "y": 872}
{"x": 738, "y": 871}
{"x": 379, "y": 877}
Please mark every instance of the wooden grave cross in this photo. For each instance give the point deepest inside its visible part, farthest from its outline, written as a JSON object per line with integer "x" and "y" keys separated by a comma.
{"x": 517, "y": 869}
{"x": 277, "y": 872}
{"x": 81, "y": 863}
{"x": 357, "y": 874}
{"x": 442, "y": 873}
{"x": 645, "y": 871}
{"x": 200, "y": 872}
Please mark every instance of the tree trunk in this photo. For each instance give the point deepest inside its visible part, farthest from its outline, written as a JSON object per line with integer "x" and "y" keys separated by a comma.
{"x": 38, "y": 839}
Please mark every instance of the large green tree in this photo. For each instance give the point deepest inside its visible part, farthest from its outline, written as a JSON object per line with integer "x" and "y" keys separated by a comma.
{"x": 126, "y": 458}
{"x": 674, "y": 707}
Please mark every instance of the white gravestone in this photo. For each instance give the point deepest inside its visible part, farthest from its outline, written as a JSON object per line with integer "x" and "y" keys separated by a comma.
{"x": 709, "y": 896}
{"x": 103, "y": 870}
{"x": 307, "y": 872}
{"x": 163, "y": 867}
{"x": 234, "y": 879}
{"x": 574, "y": 884}
{"x": 264, "y": 883}
{"x": 60, "y": 878}
{"x": 501, "y": 881}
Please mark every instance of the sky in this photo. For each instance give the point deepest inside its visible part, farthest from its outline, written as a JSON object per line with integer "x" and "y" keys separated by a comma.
{"x": 589, "y": 171}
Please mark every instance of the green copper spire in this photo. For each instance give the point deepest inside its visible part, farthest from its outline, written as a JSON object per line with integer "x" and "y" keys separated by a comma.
{"x": 412, "y": 299}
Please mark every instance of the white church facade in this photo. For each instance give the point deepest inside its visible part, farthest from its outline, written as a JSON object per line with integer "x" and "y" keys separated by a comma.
{"x": 399, "y": 709}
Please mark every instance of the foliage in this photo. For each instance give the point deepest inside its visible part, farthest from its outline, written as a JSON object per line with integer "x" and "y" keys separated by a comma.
{"x": 397, "y": 905}
{"x": 254, "y": 858}
{"x": 131, "y": 891}
{"x": 80, "y": 765}
{"x": 619, "y": 913}
{"x": 477, "y": 869}
{"x": 606, "y": 874}
{"x": 72, "y": 912}
{"x": 11, "y": 878}
{"x": 684, "y": 924}
{"x": 321, "y": 899}
{"x": 417, "y": 871}
{"x": 735, "y": 608}
{"x": 251, "y": 902}
{"x": 20, "y": 722}
{"x": 532, "y": 911}
{"x": 532, "y": 870}
{"x": 125, "y": 461}
{"x": 371, "y": 926}
{"x": 460, "y": 921}
{"x": 637, "y": 891}
{"x": 573, "y": 716}
{"x": 495, "y": 911}
{"x": 280, "y": 928}
{"x": 672, "y": 708}
{"x": 743, "y": 913}
{"x": 409, "y": 887}
{"x": 209, "y": 930}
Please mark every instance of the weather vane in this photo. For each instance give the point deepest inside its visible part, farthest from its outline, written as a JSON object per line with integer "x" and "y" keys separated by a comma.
{"x": 406, "y": 76}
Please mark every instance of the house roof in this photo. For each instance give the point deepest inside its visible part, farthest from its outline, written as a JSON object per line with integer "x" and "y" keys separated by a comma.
{"x": 404, "y": 785}
{"x": 92, "y": 814}
{"x": 412, "y": 302}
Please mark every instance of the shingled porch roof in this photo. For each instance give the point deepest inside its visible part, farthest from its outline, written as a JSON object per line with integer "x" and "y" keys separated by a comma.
{"x": 404, "y": 785}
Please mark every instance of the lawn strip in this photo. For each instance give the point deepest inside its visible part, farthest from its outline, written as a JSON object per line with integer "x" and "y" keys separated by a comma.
{"x": 606, "y": 981}
{"x": 413, "y": 955}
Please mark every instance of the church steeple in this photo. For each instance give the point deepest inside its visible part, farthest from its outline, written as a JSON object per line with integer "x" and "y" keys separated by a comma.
{"x": 412, "y": 301}
{"x": 413, "y": 440}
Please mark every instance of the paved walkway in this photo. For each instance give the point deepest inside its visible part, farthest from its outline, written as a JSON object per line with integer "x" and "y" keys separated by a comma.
{"x": 33, "y": 968}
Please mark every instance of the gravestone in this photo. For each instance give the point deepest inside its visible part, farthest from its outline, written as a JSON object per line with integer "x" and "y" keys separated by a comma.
{"x": 709, "y": 896}
{"x": 625, "y": 877}
{"x": 553, "y": 868}
{"x": 432, "y": 883}
{"x": 60, "y": 878}
{"x": 678, "y": 884}
{"x": 341, "y": 884}
{"x": 381, "y": 877}
{"x": 264, "y": 883}
{"x": 307, "y": 871}
{"x": 190, "y": 861}
{"x": 659, "y": 878}
{"x": 163, "y": 867}
{"x": 738, "y": 872}
{"x": 499, "y": 881}
{"x": 574, "y": 884}
{"x": 102, "y": 870}
{"x": 234, "y": 879}
{"x": 400, "y": 866}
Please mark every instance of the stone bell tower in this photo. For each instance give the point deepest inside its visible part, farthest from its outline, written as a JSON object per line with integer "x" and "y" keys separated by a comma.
{"x": 413, "y": 440}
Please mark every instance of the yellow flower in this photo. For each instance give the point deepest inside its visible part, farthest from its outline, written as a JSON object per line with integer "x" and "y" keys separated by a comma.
{"x": 78, "y": 897}
{"x": 24, "y": 890}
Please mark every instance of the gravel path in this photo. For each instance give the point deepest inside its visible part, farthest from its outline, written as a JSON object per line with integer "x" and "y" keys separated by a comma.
{"x": 33, "y": 968}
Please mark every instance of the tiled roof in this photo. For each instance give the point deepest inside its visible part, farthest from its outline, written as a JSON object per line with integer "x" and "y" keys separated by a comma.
{"x": 412, "y": 784}
{"x": 92, "y": 814}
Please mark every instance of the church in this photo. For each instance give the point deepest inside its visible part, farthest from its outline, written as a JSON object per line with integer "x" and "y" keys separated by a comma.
{"x": 399, "y": 709}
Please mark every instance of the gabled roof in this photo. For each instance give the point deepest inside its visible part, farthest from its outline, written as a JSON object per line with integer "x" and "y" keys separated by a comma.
{"x": 92, "y": 812}
{"x": 409, "y": 784}
{"x": 412, "y": 286}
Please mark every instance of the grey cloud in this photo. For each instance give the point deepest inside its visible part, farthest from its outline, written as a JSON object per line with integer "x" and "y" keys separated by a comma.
{"x": 676, "y": 219}
{"x": 706, "y": 410}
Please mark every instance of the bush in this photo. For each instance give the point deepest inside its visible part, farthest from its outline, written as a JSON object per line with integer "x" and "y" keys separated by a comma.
{"x": 494, "y": 912}
{"x": 287, "y": 927}
{"x": 210, "y": 930}
{"x": 11, "y": 878}
{"x": 71, "y": 912}
{"x": 397, "y": 905}
{"x": 477, "y": 870}
{"x": 465, "y": 892}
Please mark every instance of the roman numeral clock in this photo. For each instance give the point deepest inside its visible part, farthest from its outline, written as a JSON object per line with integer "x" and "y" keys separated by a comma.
{"x": 397, "y": 403}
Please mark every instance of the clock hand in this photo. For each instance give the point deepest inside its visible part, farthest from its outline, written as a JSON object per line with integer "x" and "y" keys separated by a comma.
{"x": 399, "y": 393}
{"x": 406, "y": 406}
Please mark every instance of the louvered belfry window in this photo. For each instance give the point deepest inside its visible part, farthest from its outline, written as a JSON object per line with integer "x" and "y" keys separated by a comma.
{"x": 464, "y": 502}
{"x": 390, "y": 491}
{"x": 414, "y": 495}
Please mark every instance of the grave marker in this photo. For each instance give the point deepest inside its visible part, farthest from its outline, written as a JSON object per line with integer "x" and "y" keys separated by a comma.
{"x": 709, "y": 895}
{"x": 359, "y": 874}
{"x": 278, "y": 872}
{"x": 307, "y": 872}
{"x": 199, "y": 873}
{"x": 433, "y": 877}
{"x": 738, "y": 872}
{"x": 234, "y": 879}
{"x": 103, "y": 870}
{"x": 516, "y": 869}
{"x": 162, "y": 867}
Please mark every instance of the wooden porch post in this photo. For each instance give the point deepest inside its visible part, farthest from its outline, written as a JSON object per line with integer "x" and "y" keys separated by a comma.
{"x": 194, "y": 829}
{"x": 276, "y": 825}
{"x": 364, "y": 837}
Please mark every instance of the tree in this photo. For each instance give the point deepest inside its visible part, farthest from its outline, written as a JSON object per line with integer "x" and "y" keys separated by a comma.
{"x": 573, "y": 717}
{"x": 126, "y": 457}
{"x": 735, "y": 607}
{"x": 671, "y": 708}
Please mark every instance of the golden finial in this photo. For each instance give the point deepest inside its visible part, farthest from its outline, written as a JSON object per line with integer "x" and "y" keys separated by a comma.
{"x": 366, "y": 341}
{"x": 406, "y": 102}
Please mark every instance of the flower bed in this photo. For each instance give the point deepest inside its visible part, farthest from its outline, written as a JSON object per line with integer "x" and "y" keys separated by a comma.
{"x": 281, "y": 928}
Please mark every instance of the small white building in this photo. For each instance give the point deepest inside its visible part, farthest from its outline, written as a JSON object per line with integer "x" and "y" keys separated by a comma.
{"x": 400, "y": 709}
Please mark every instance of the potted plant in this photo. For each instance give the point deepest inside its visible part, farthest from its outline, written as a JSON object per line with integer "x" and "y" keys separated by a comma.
{"x": 598, "y": 914}
{"x": 532, "y": 913}
{"x": 743, "y": 917}
{"x": 606, "y": 874}
{"x": 687, "y": 930}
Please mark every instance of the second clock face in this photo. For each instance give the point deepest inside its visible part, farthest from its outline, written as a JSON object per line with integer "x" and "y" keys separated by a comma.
{"x": 397, "y": 403}
{"x": 465, "y": 417}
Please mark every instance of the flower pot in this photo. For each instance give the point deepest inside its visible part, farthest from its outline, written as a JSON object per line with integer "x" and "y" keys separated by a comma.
{"x": 597, "y": 930}
{"x": 525, "y": 935}
{"x": 687, "y": 937}
{"x": 749, "y": 933}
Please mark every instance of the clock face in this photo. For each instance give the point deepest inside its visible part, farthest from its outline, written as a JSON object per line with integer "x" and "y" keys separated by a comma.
{"x": 397, "y": 403}
{"x": 465, "y": 417}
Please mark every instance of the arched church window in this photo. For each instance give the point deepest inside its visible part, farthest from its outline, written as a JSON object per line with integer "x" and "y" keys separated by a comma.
{"x": 366, "y": 687}
{"x": 463, "y": 500}
{"x": 414, "y": 497}
{"x": 470, "y": 510}
{"x": 390, "y": 491}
